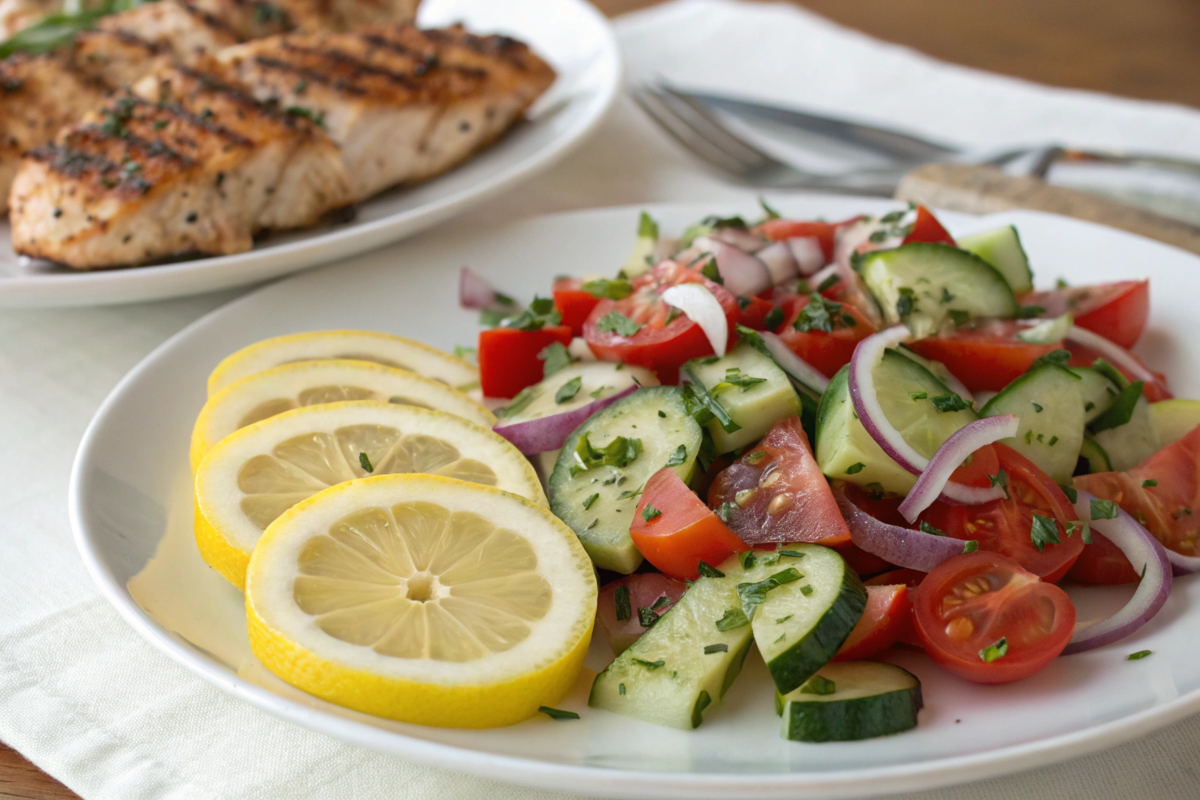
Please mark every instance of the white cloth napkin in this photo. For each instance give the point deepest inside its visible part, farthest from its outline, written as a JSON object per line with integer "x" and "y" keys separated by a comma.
{"x": 87, "y": 700}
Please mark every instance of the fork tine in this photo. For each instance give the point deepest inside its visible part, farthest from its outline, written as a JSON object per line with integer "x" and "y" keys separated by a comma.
{"x": 708, "y": 125}
{"x": 670, "y": 122}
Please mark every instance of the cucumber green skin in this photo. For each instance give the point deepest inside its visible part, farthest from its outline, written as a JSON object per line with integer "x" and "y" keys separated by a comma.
{"x": 851, "y": 720}
{"x": 1056, "y": 389}
{"x": 798, "y": 663}
{"x": 1002, "y": 249}
{"x": 1097, "y": 460}
{"x": 678, "y": 638}
{"x": 976, "y": 286}
{"x": 609, "y": 544}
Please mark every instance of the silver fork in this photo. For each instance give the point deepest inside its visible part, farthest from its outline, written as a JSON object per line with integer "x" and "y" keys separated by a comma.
{"x": 702, "y": 134}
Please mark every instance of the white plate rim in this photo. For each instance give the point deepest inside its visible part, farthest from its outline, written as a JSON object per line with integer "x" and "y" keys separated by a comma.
{"x": 595, "y": 781}
{"x": 196, "y": 276}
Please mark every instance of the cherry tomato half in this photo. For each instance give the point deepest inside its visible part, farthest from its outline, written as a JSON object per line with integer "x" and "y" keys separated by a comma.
{"x": 1005, "y": 526}
{"x": 985, "y": 619}
{"x": 664, "y": 338}
{"x": 776, "y": 493}
{"x": 1117, "y": 311}
{"x": 675, "y": 531}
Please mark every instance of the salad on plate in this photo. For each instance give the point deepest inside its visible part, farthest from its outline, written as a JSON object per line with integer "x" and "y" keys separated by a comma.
{"x": 820, "y": 440}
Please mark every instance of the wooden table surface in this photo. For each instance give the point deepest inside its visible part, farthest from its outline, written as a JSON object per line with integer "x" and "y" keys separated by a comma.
{"x": 1148, "y": 49}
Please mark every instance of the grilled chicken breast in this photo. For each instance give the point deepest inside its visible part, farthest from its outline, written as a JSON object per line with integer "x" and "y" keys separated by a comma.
{"x": 270, "y": 135}
{"x": 404, "y": 104}
{"x": 38, "y": 96}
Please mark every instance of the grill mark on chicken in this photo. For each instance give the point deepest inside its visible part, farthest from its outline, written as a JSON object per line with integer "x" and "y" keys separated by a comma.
{"x": 309, "y": 74}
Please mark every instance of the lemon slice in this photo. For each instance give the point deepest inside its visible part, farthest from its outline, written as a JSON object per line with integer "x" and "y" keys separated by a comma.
{"x": 378, "y": 348}
{"x": 423, "y": 599}
{"x": 254, "y": 475}
{"x": 306, "y": 383}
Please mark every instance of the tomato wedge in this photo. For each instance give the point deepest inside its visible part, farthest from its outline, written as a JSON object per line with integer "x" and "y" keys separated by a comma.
{"x": 885, "y": 620}
{"x": 573, "y": 303}
{"x": 1117, "y": 311}
{"x": 1102, "y": 564}
{"x": 508, "y": 358}
{"x": 1006, "y": 526}
{"x": 1162, "y": 493}
{"x": 986, "y": 357}
{"x": 926, "y": 228}
{"x": 985, "y": 619}
{"x": 776, "y": 493}
{"x": 663, "y": 340}
{"x": 675, "y": 531}
{"x": 618, "y": 607}
{"x": 827, "y": 351}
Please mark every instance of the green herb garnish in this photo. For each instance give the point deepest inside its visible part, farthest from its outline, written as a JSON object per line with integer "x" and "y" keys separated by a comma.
{"x": 1044, "y": 531}
{"x": 818, "y": 685}
{"x": 618, "y": 323}
{"x": 709, "y": 649}
{"x": 706, "y": 570}
{"x": 556, "y": 713}
{"x": 994, "y": 651}
{"x": 365, "y": 462}
{"x": 734, "y": 618}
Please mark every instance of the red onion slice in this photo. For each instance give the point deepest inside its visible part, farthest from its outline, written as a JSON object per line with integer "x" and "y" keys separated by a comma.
{"x": 1140, "y": 548}
{"x": 742, "y": 239}
{"x": 1181, "y": 564}
{"x": 903, "y": 547}
{"x": 807, "y": 253}
{"x": 794, "y": 365}
{"x": 936, "y": 476}
{"x": 476, "y": 293}
{"x": 1113, "y": 352}
{"x": 550, "y": 433}
{"x": 644, "y": 588}
{"x": 743, "y": 274}
{"x": 779, "y": 261}
{"x": 863, "y": 395}
{"x": 702, "y": 308}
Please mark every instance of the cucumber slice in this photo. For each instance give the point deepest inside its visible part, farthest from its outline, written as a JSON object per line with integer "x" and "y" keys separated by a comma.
{"x": 920, "y": 285}
{"x": 800, "y": 624}
{"x": 1097, "y": 391}
{"x": 642, "y": 257}
{"x": 846, "y": 451}
{"x": 597, "y": 380}
{"x": 1174, "y": 419}
{"x": 1048, "y": 331}
{"x": 1049, "y": 409}
{"x": 756, "y": 407}
{"x": 658, "y": 420}
{"x": 1002, "y": 249}
{"x": 685, "y": 662}
{"x": 868, "y": 699}
{"x": 1092, "y": 457}
{"x": 1132, "y": 443}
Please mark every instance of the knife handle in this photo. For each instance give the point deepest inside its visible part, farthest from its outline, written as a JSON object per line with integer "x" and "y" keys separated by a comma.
{"x": 985, "y": 190}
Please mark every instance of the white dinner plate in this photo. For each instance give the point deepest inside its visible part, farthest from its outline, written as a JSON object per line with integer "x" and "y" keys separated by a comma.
{"x": 132, "y": 514}
{"x": 570, "y": 34}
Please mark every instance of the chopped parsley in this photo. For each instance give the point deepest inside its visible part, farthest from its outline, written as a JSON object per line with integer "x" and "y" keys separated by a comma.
{"x": 541, "y": 312}
{"x": 1103, "y": 509}
{"x": 830, "y": 282}
{"x": 855, "y": 468}
{"x": 1044, "y": 531}
{"x": 1148, "y": 483}
{"x": 725, "y": 511}
{"x": 905, "y": 304}
{"x": 650, "y": 512}
{"x": 970, "y": 546}
{"x": 806, "y": 590}
{"x": 706, "y": 570}
{"x": 818, "y": 314}
{"x": 587, "y": 504}
{"x": 1000, "y": 479}
{"x": 1083, "y": 527}
{"x": 710, "y": 270}
{"x": 709, "y": 649}
{"x": 620, "y": 452}
{"x": 747, "y": 559}
{"x": 678, "y": 457}
{"x": 650, "y": 665}
{"x": 621, "y": 689}
{"x": 621, "y": 601}
{"x": 1121, "y": 410}
{"x": 557, "y": 713}
{"x": 1138, "y": 656}
{"x": 752, "y": 595}
{"x": 925, "y": 527}
{"x": 1037, "y": 407}
{"x": 733, "y": 619}
{"x": 734, "y": 377}
{"x": 994, "y": 651}
{"x": 596, "y": 394}
{"x": 1059, "y": 358}
{"x": 554, "y": 358}
{"x": 568, "y": 390}
{"x": 604, "y": 288}
{"x": 918, "y": 395}
{"x": 618, "y": 323}
{"x": 791, "y": 553}
{"x": 774, "y": 318}
{"x": 949, "y": 402}
{"x": 1071, "y": 493}
{"x": 818, "y": 685}
{"x": 365, "y": 462}
{"x": 703, "y": 406}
